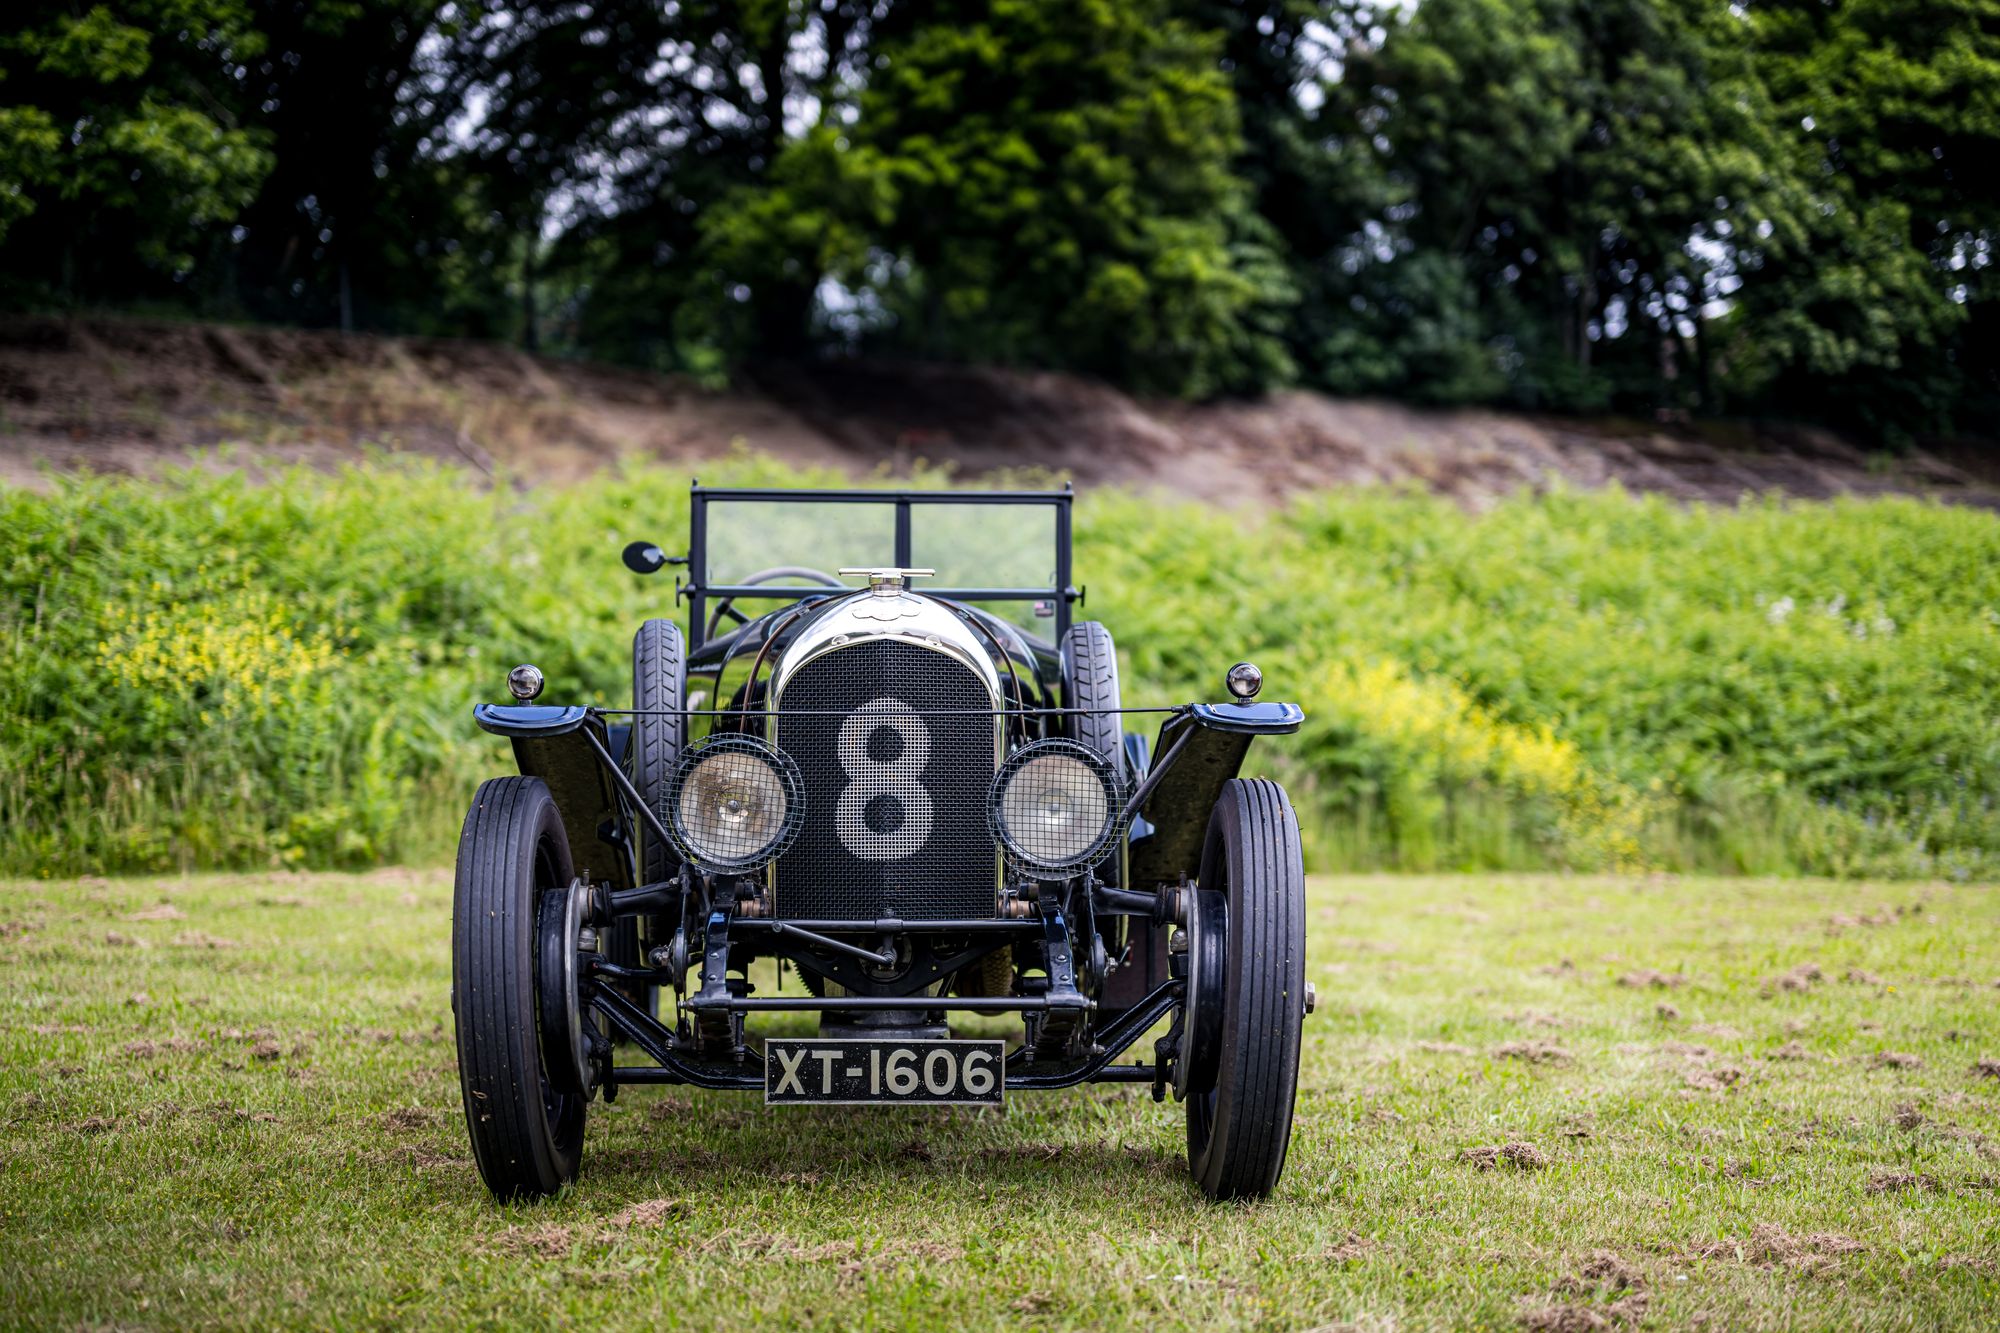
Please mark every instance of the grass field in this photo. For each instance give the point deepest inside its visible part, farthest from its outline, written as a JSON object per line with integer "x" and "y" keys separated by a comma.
{"x": 1553, "y": 1103}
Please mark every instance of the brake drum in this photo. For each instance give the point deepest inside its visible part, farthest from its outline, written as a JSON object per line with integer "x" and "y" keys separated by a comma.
{"x": 1201, "y": 1027}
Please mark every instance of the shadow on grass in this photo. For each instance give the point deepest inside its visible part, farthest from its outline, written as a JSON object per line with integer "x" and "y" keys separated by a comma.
{"x": 682, "y": 1146}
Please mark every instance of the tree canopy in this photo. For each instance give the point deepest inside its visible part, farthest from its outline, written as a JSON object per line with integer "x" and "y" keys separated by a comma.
{"x": 1787, "y": 206}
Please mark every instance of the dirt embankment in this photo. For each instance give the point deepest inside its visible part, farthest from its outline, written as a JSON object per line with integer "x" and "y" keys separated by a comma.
{"x": 132, "y": 396}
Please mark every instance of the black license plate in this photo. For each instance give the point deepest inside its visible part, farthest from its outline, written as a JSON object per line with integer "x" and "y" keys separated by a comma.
{"x": 910, "y": 1073}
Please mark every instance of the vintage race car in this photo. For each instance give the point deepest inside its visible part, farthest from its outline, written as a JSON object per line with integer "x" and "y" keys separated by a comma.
{"x": 907, "y": 803}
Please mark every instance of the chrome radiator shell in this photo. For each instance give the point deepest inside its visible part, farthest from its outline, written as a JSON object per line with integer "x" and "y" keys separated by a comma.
{"x": 888, "y": 703}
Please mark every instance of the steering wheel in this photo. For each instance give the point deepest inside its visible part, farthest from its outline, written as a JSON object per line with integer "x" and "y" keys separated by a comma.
{"x": 726, "y": 607}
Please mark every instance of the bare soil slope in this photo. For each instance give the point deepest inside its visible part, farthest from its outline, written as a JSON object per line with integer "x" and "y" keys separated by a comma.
{"x": 122, "y": 395}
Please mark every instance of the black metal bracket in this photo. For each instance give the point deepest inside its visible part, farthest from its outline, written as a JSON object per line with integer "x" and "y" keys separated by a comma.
{"x": 646, "y": 1033}
{"x": 836, "y": 1004}
{"x": 714, "y": 965}
{"x": 1021, "y": 1075}
{"x": 1111, "y": 1043}
{"x": 885, "y": 956}
{"x": 910, "y": 987}
{"x": 1059, "y": 960}
{"x": 716, "y": 998}
{"x": 890, "y": 925}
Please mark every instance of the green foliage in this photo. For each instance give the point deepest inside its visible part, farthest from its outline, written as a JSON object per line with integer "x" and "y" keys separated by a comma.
{"x": 1833, "y": 666}
{"x": 29, "y": 144}
{"x": 1017, "y": 182}
{"x": 200, "y": 674}
{"x": 112, "y": 127}
{"x": 1541, "y": 177}
{"x": 1058, "y": 183}
{"x": 1882, "y": 307}
{"x": 763, "y": 248}
{"x": 364, "y": 221}
{"x": 1411, "y": 329}
{"x": 222, "y": 673}
{"x": 1637, "y": 206}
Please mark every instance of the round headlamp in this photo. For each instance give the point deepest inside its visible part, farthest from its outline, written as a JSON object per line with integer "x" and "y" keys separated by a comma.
{"x": 1056, "y": 806}
{"x": 735, "y": 803}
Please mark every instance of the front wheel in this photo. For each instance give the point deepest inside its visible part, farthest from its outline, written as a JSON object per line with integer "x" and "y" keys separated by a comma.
{"x": 1090, "y": 683}
{"x": 659, "y": 732}
{"x": 659, "y": 683}
{"x": 527, "y": 1131}
{"x": 1246, "y": 1071}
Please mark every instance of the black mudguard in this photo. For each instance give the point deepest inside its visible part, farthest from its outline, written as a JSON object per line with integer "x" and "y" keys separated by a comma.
{"x": 1197, "y": 752}
{"x": 554, "y": 744}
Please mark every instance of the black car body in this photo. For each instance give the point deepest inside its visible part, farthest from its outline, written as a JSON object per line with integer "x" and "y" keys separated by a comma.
{"x": 918, "y": 801}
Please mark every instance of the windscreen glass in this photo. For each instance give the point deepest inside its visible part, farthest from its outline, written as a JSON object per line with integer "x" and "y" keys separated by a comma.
{"x": 751, "y": 537}
{"x": 990, "y": 546}
{"x": 783, "y": 543}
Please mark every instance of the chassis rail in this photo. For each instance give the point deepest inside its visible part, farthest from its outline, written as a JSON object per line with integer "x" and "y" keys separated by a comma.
{"x": 977, "y": 1004}
{"x": 1023, "y": 1072}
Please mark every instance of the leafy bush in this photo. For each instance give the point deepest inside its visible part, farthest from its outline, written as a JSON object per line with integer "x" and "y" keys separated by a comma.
{"x": 1825, "y": 669}
{"x": 210, "y": 670}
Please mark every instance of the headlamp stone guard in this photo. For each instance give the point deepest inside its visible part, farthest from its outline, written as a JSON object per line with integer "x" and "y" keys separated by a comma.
{"x": 784, "y": 770}
{"x": 1050, "y": 868}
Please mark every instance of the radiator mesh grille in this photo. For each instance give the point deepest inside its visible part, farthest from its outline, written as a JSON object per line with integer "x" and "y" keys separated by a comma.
{"x": 895, "y": 806}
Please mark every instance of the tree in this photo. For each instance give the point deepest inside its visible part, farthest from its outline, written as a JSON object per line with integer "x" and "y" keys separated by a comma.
{"x": 1044, "y": 184}
{"x": 1789, "y": 206}
{"x": 1559, "y": 183}
{"x": 1886, "y": 310}
{"x": 357, "y": 223}
{"x": 609, "y": 134}
{"x": 121, "y": 151}
{"x": 1454, "y": 125}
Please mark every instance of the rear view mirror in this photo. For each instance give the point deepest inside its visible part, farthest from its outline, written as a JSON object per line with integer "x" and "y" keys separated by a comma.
{"x": 645, "y": 558}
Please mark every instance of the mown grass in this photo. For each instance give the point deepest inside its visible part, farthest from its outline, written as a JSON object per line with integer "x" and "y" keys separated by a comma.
{"x": 230, "y": 1101}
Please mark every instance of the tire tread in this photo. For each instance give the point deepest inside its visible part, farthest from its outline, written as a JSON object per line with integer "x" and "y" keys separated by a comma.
{"x": 659, "y": 679}
{"x": 517, "y": 1151}
{"x": 1090, "y": 680}
{"x": 1242, "y": 1152}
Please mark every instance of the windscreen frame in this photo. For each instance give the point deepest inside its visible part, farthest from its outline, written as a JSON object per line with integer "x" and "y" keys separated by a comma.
{"x": 699, "y": 592}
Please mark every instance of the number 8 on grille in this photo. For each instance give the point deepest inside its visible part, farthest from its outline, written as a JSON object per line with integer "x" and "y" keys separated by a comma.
{"x": 884, "y": 812}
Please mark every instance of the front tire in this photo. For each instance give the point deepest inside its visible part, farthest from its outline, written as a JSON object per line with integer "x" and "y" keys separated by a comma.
{"x": 659, "y": 681}
{"x": 1090, "y": 681}
{"x": 527, "y": 1137}
{"x": 1240, "y": 1125}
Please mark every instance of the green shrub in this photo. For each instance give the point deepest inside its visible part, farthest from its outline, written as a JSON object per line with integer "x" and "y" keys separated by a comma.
{"x": 1810, "y": 687}
{"x": 209, "y": 670}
